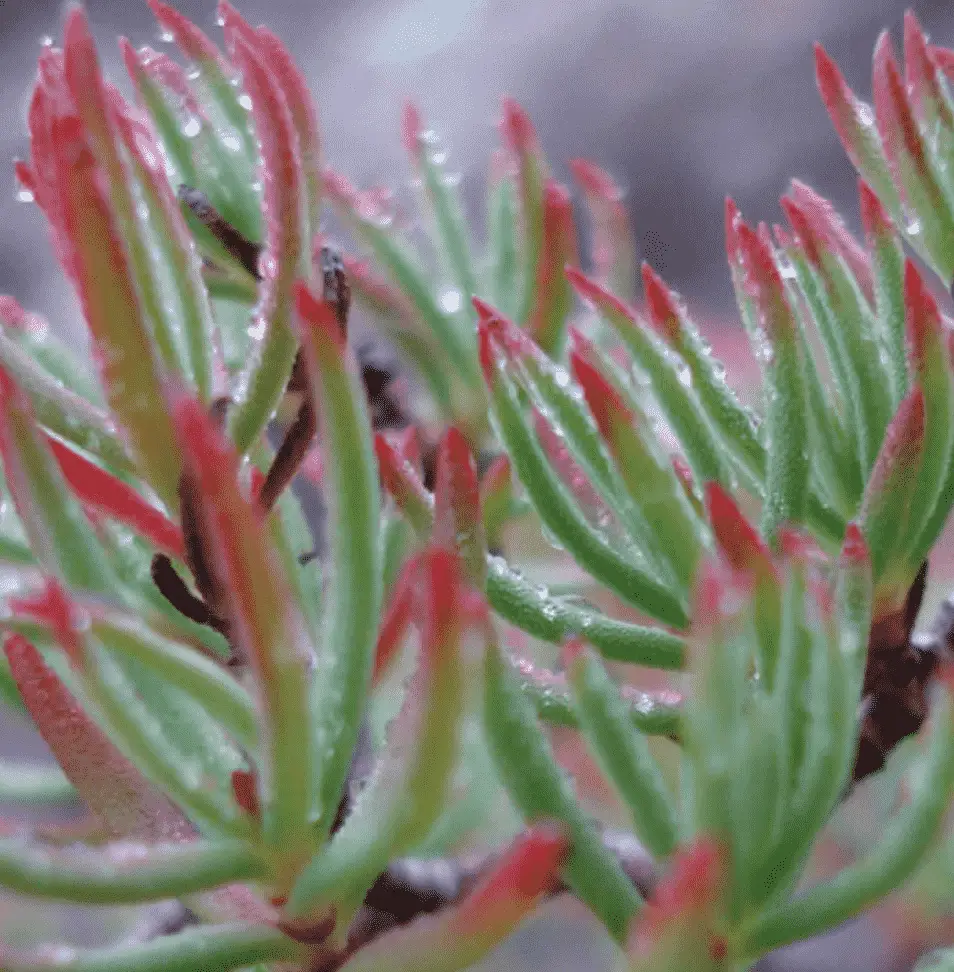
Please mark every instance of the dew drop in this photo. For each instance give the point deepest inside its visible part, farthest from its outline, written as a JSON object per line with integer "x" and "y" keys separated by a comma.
{"x": 684, "y": 373}
{"x": 46, "y": 41}
{"x": 913, "y": 227}
{"x": 245, "y": 101}
{"x": 219, "y": 20}
{"x": 256, "y": 331}
{"x": 192, "y": 128}
{"x": 231, "y": 142}
{"x": 166, "y": 36}
{"x": 451, "y": 301}
{"x": 452, "y": 179}
{"x": 865, "y": 114}
{"x": 24, "y": 195}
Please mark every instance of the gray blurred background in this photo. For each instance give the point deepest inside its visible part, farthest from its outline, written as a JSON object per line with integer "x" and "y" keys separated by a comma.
{"x": 683, "y": 101}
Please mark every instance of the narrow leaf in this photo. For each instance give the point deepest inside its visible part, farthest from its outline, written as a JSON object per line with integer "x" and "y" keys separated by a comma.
{"x": 623, "y": 754}
{"x": 536, "y": 784}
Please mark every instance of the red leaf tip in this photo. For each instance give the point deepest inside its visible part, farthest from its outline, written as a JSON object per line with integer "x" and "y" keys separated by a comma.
{"x": 854, "y": 550}
{"x": 661, "y": 302}
{"x": 604, "y": 401}
{"x": 572, "y": 650}
{"x": 517, "y": 129}
{"x": 738, "y": 541}
{"x": 874, "y": 216}
{"x": 922, "y": 317}
{"x": 318, "y": 314}
{"x": 411, "y": 128}
{"x": 595, "y": 181}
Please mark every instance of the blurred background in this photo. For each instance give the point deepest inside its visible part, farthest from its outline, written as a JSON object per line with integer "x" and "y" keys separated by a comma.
{"x": 682, "y": 101}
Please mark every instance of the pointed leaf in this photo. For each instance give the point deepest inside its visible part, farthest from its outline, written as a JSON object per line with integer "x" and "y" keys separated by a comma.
{"x": 554, "y": 296}
{"x": 60, "y": 535}
{"x": 786, "y": 475}
{"x": 458, "y": 522}
{"x": 914, "y": 171}
{"x": 286, "y": 250}
{"x": 265, "y": 628}
{"x": 623, "y": 754}
{"x": 354, "y": 598}
{"x": 114, "y": 791}
{"x": 403, "y": 800}
{"x": 556, "y": 507}
{"x": 443, "y": 205}
{"x": 649, "y": 477}
{"x": 460, "y": 936}
{"x": 536, "y": 784}
{"x": 520, "y": 140}
{"x": 855, "y": 124}
{"x": 664, "y": 370}
{"x": 614, "y": 248}
{"x": 124, "y": 873}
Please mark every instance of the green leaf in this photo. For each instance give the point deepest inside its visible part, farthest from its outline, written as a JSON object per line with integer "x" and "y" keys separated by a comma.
{"x": 666, "y": 374}
{"x": 902, "y": 847}
{"x": 216, "y": 948}
{"x": 400, "y": 804}
{"x": 274, "y": 344}
{"x": 536, "y": 784}
{"x": 622, "y": 752}
{"x": 354, "y": 566}
{"x": 557, "y": 509}
{"x": 534, "y": 610}
{"x": 124, "y": 873}
{"x": 59, "y": 533}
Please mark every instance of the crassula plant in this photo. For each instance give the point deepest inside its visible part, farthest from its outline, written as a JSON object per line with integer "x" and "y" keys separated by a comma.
{"x": 310, "y": 748}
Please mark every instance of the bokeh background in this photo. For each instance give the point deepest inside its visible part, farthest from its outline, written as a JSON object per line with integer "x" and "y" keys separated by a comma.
{"x": 683, "y": 101}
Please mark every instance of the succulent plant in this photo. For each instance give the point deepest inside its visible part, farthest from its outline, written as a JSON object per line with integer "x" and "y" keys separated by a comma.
{"x": 299, "y": 746}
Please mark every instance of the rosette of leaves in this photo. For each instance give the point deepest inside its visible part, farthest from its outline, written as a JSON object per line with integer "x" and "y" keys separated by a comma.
{"x": 203, "y": 682}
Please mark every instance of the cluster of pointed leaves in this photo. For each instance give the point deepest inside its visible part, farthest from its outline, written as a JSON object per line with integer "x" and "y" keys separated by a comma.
{"x": 226, "y": 791}
{"x": 199, "y": 784}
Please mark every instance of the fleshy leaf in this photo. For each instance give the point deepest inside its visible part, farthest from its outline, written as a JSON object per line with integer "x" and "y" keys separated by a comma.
{"x": 678, "y": 928}
{"x": 443, "y": 204}
{"x": 102, "y": 491}
{"x": 622, "y": 753}
{"x": 911, "y": 164}
{"x": 614, "y": 248}
{"x": 648, "y": 475}
{"x": 536, "y": 784}
{"x": 898, "y": 852}
{"x": 652, "y": 713}
{"x": 854, "y": 122}
{"x": 124, "y": 873}
{"x": 60, "y": 535}
{"x": 286, "y": 250}
{"x": 554, "y": 619}
{"x": 352, "y": 495}
{"x": 730, "y": 418}
{"x": 460, "y": 936}
{"x": 555, "y": 505}
{"x": 664, "y": 370}
{"x": 264, "y": 627}
{"x": 931, "y": 368}
{"x": 520, "y": 140}
{"x": 458, "y": 522}
{"x": 886, "y": 506}
{"x": 90, "y": 243}
{"x": 786, "y": 474}
{"x": 887, "y": 261}
{"x": 113, "y": 789}
{"x": 402, "y": 802}
{"x": 553, "y": 295}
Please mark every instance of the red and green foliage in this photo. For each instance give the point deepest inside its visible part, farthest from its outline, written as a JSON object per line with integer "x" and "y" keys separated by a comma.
{"x": 215, "y": 727}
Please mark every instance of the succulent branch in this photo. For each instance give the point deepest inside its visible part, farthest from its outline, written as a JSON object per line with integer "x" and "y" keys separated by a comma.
{"x": 301, "y": 741}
